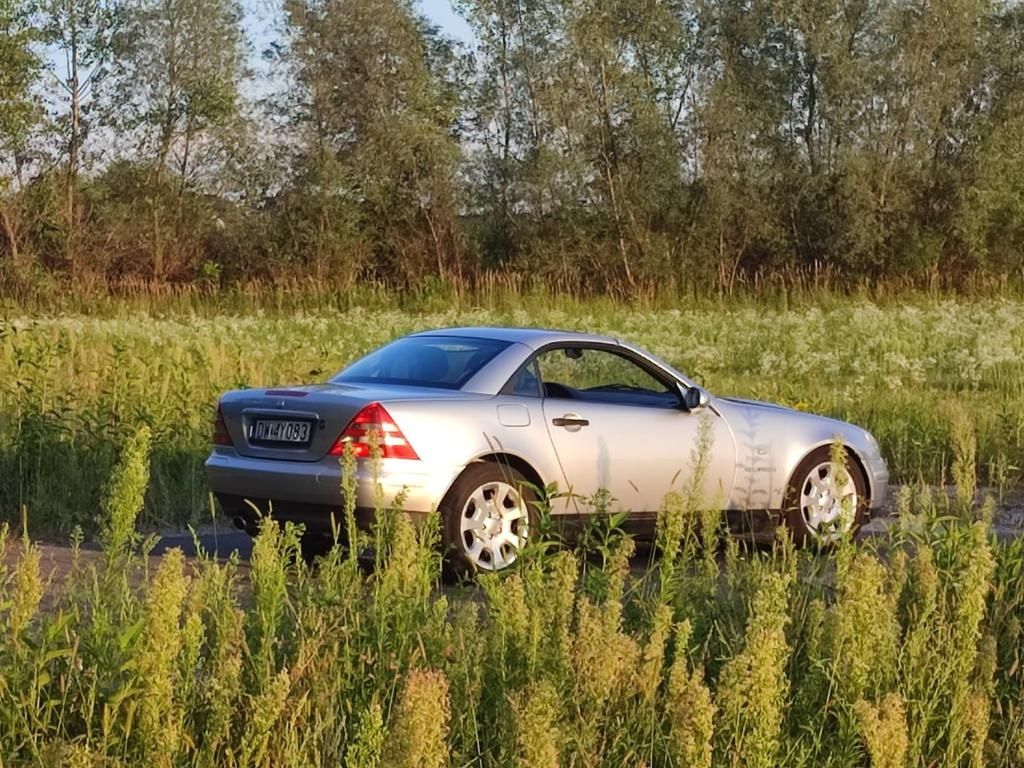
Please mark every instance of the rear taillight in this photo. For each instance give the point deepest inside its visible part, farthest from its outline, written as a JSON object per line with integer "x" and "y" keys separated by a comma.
{"x": 374, "y": 419}
{"x": 220, "y": 429}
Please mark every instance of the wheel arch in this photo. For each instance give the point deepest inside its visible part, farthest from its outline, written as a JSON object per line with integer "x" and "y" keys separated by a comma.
{"x": 851, "y": 452}
{"x": 518, "y": 463}
{"x": 501, "y": 458}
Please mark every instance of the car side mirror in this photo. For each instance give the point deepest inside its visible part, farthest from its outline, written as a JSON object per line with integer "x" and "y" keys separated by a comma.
{"x": 694, "y": 398}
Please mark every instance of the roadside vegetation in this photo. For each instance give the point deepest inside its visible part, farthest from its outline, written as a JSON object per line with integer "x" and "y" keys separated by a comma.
{"x": 903, "y": 650}
{"x": 919, "y": 373}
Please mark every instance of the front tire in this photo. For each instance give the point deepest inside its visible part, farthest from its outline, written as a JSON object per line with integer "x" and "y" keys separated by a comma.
{"x": 487, "y": 518}
{"x": 825, "y": 501}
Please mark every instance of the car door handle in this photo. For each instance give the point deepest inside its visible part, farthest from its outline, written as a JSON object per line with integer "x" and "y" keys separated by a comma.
{"x": 570, "y": 420}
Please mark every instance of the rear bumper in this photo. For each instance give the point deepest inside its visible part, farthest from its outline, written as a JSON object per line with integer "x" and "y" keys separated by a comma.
{"x": 419, "y": 487}
{"x": 316, "y": 519}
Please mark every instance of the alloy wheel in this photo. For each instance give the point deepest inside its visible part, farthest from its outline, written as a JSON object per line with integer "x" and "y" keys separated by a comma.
{"x": 828, "y": 502}
{"x": 494, "y": 525}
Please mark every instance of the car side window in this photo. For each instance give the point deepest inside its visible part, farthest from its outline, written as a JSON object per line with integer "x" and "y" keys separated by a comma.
{"x": 525, "y": 382}
{"x": 601, "y": 376}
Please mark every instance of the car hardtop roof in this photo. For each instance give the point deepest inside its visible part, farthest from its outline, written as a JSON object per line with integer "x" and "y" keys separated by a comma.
{"x": 531, "y": 337}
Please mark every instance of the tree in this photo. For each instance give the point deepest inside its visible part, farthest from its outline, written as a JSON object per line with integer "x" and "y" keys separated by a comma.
{"x": 514, "y": 159}
{"x": 600, "y": 145}
{"x": 990, "y": 219}
{"x": 80, "y": 32}
{"x": 629, "y": 67}
{"x": 179, "y": 68}
{"x": 580, "y": 116}
{"x": 20, "y": 110}
{"x": 371, "y": 96}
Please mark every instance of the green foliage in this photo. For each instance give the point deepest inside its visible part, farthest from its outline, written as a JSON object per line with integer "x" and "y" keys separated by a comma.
{"x": 156, "y": 653}
{"x": 602, "y": 147}
{"x": 21, "y": 112}
{"x": 690, "y": 711}
{"x": 752, "y": 688}
{"x": 175, "y": 82}
{"x": 884, "y": 730}
{"x": 19, "y": 108}
{"x": 418, "y": 734}
{"x": 376, "y": 154}
{"x": 538, "y": 719}
{"x": 123, "y": 496}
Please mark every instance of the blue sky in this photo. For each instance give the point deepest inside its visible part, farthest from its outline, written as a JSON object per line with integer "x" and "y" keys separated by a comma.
{"x": 442, "y": 14}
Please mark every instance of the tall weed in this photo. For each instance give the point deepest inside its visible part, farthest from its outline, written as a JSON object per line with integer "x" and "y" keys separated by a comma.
{"x": 903, "y": 651}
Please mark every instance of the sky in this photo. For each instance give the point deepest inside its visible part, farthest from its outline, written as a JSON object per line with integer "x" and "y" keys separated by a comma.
{"x": 441, "y": 13}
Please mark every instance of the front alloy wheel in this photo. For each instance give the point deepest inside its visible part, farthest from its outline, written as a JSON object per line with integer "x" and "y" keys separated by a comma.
{"x": 826, "y": 500}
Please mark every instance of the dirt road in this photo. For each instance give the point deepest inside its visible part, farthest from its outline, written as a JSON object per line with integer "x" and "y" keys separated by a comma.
{"x": 58, "y": 559}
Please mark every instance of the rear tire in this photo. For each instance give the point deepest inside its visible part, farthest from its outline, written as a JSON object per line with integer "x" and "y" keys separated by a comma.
{"x": 819, "y": 506}
{"x": 487, "y": 518}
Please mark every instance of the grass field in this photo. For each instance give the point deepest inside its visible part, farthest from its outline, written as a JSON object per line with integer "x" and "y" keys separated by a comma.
{"x": 73, "y": 386}
{"x": 902, "y": 651}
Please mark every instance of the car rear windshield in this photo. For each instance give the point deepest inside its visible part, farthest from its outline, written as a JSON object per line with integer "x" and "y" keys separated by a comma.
{"x": 446, "y": 362}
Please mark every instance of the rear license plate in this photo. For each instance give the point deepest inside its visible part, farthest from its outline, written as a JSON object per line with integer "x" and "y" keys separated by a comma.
{"x": 279, "y": 431}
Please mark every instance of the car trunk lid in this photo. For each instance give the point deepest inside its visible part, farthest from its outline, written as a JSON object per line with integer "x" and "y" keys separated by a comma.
{"x": 302, "y": 423}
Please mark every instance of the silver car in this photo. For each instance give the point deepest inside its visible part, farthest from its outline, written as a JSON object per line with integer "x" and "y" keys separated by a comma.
{"x": 475, "y": 422}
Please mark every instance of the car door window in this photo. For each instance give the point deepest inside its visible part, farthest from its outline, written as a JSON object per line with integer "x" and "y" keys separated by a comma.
{"x": 601, "y": 376}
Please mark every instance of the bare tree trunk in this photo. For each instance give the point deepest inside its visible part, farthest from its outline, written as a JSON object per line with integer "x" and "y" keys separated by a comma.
{"x": 506, "y": 143}
{"x": 71, "y": 179}
{"x": 721, "y": 259}
{"x": 320, "y": 258}
{"x": 183, "y": 166}
{"x": 610, "y": 155}
{"x": 436, "y": 236}
{"x": 158, "y": 246}
{"x": 812, "y": 115}
{"x": 530, "y": 88}
{"x": 170, "y": 97}
{"x": 10, "y": 232}
{"x": 164, "y": 150}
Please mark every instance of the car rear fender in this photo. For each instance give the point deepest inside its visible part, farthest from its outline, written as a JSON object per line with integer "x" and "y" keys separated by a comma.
{"x": 448, "y": 435}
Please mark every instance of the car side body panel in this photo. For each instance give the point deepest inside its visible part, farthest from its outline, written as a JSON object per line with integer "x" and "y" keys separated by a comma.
{"x": 460, "y": 432}
{"x": 638, "y": 454}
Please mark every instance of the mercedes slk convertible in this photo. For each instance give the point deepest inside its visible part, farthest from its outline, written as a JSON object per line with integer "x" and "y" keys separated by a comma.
{"x": 476, "y": 422}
